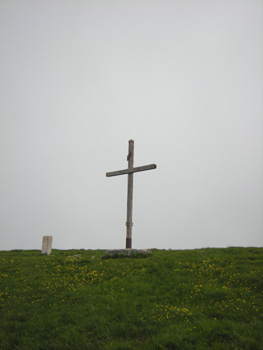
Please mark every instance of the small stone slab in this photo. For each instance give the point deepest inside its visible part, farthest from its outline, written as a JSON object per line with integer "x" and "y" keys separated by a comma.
{"x": 127, "y": 252}
{"x": 47, "y": 245}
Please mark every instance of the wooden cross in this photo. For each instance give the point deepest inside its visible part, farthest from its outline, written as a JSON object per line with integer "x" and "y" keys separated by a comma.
{"x": 129, "y": 172}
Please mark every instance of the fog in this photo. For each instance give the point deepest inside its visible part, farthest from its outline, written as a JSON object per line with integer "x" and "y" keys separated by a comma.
{"x": 79, "y": 79}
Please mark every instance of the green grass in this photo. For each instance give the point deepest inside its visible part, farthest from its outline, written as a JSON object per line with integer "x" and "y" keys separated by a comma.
{"x": 195, "y": 299}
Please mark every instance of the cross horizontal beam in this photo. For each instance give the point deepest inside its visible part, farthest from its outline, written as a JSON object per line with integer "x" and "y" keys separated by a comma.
{"x": 132, "y": 170}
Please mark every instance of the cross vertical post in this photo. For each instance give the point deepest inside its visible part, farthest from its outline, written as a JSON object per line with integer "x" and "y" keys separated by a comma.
{"x": 129, "y": 223}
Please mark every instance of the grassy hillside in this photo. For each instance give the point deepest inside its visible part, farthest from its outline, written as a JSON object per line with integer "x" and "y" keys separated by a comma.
{"x": 196, "y": 299}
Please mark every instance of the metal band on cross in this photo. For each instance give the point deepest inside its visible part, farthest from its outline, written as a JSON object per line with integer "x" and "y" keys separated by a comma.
{"x": 129, "y": 172}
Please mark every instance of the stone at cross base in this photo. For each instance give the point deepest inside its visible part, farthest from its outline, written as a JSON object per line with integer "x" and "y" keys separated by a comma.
{"x": 47, "y": 245}
{"x": 127, "y": 252}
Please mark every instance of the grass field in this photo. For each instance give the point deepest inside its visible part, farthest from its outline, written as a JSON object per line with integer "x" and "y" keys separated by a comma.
{"x": 195, "y": 299}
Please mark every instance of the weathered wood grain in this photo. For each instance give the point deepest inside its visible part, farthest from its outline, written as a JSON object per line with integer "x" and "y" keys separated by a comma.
{"x": 129, "y": 224}
{"x": 131, "y": 170}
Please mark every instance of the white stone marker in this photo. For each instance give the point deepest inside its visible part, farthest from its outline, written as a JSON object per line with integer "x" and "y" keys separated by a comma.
{"x": 47, "y": 245}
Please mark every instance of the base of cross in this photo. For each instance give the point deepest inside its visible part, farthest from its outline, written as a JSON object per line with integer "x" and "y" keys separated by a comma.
{"x": 128, "y": 242}
{"x": 127, "y": 252}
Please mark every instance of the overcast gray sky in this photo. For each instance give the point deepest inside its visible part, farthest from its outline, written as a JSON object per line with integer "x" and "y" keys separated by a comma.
{"x": 183, "y": 79}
